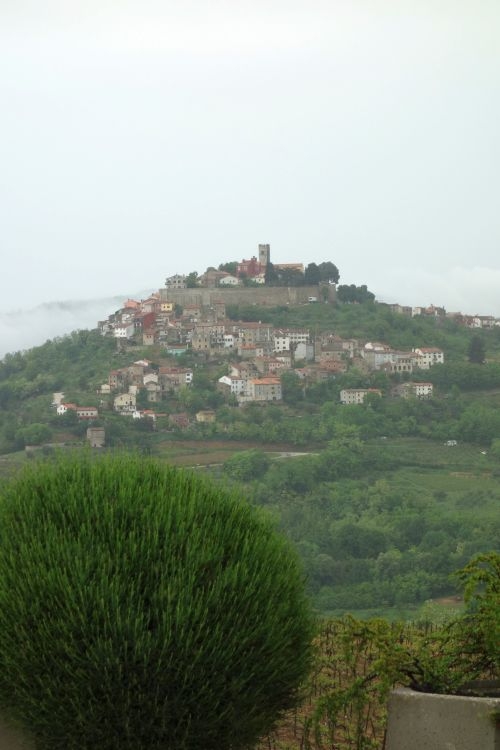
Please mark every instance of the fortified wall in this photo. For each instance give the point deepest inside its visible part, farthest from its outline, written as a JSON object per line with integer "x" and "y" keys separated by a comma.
{"x": 271, "y": 296}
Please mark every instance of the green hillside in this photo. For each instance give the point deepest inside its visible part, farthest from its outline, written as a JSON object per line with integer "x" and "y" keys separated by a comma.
{"x": 381, "y": 508}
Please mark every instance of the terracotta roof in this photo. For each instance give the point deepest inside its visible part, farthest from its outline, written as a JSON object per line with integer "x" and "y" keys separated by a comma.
{"x": 266, "y": 381}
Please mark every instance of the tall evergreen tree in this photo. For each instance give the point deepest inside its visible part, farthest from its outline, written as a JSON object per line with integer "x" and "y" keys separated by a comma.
{"x": 477, "y": 350}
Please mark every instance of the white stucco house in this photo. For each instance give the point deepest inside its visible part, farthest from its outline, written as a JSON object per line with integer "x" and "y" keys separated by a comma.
{"x": 229, "y": 281}
{"x": 430, "y": 355}
{"x": 124, "y": 330}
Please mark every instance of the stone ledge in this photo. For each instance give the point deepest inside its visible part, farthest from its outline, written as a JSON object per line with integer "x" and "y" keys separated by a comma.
{"x": 426, "y": 721}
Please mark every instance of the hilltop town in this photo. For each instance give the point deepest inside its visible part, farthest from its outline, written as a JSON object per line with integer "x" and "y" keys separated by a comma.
{"x": 370, "y": 431}
{"x": 188, "y": 318}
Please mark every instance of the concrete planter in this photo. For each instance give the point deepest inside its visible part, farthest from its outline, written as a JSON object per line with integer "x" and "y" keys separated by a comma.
{"x": 426, "y": 721}
{"x": 12, "y": 739}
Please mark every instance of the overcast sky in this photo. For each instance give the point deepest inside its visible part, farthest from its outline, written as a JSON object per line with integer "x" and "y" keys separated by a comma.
{"x": 142, "y": 139}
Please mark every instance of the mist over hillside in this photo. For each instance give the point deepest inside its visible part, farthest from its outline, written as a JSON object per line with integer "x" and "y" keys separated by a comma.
{"x": 23, "y": 329}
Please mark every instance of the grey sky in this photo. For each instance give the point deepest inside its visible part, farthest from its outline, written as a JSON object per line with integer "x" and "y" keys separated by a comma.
{"x": 141, "y": 139}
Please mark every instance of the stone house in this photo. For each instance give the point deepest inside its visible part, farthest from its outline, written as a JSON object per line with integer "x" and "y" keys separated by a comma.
{"x": 270, "y": 365}
{"x": 192, "y": 312}
{"x": 124, "y": 403}
{"x": 149, "y": 337}
{"x": 219, "y": 308}
{"x": 264, "y": 389}
{"x": 205, "y": 416}
{"x": 151, "y": 305}
{"x": 177, "y": 281}
{"x": 87, "y": 412}
{"x": 401, "y": 362}
{"x": 136, "y": 372}
{"x": 356, "y": 395}
{"x": 376, "y": 355}
{"x": 153, "y": 391}
{"x": 207, "y": 336}
{"x": 335, "y": 348}
{"x": 249, "y": 351}
{"x": 327, "y": 370}
{"x": 117, "y": 379}
{"x": 232, "y": 385}
{"x": 174, "y": 378}
{"x": 401, "y": 309}
{"x": 430, "y": 356}
{"x": 414, "y": 390}
{"x": 242, "y": 369}
{"x": 96, "y": 437}
{"x": 212, "y": 277}
{"x": 256, "y": 333}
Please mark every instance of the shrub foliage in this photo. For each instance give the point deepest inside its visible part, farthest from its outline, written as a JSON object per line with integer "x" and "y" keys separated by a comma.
{"x": 143, "y": 607}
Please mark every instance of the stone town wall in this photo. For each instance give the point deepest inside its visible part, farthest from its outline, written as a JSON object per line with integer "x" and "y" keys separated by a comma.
{"x": 267, "y": 295}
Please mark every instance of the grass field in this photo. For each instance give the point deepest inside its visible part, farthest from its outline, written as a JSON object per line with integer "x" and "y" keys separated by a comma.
{"x": 188, "y": 453}
{"x": 421, "y": 452}
{"x": 194, "y": 453}
{"x": 428, "y": 464}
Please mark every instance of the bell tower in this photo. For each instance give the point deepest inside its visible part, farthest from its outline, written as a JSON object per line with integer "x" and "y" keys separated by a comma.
{"x": 264, "y": 254}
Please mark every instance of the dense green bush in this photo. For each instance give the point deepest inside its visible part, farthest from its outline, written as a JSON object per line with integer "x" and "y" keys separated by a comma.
{"x": 481, "y": 583}
{"x": 467, "y": 648}
{"x": 142, "y": 607}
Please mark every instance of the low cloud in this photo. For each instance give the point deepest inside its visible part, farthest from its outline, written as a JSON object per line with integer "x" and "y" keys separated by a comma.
{"x": 23, "y": 329}
{"x": 467, "y": 290}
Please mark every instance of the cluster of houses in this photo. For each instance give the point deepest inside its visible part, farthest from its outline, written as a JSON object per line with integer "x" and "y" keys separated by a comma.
{"x": 201, "y": 324}
{"x": 158, "y": 319}
{"x": 258, "y": 354}
{"x": 157, "y": 383}
{"x": 95, "y": 435}
{"x": 468, "y": 321}
{"x": 198, "y": 327}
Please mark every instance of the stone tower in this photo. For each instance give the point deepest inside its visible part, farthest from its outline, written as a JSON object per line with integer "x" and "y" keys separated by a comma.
{"x": 264, "y": 254}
